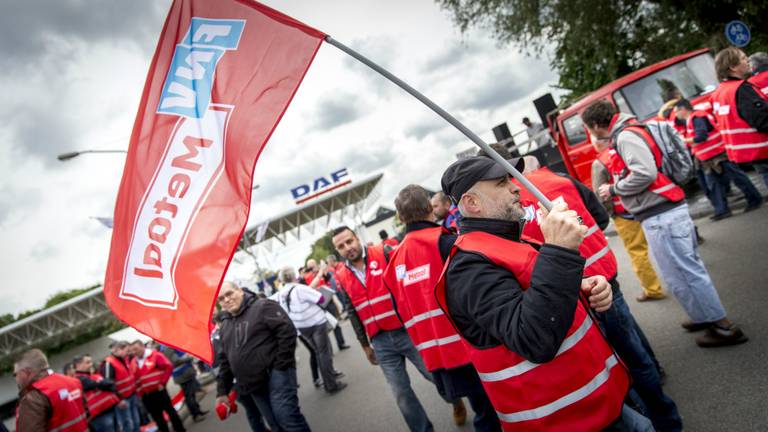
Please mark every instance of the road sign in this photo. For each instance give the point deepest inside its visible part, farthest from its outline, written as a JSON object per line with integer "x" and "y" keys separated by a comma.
{"x": 737, "y": 33}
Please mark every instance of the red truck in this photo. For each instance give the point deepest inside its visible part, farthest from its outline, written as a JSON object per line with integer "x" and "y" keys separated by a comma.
{"x": 639, "y": 93}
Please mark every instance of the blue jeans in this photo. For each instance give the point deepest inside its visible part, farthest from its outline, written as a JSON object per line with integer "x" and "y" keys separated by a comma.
{"x": 283, "y": 401}
{"x": 392, "y": 348}
{"x": 762, "y": 169}
{"x": 623, "y": 334}
{"x": 104, "y": 422}
{"x": 128, "y": 417}
{"x": 630, "y": 421}
{"x": 731, "y": 173}
{"x": 672, "y": 243}
{"x": 258, "y": 411}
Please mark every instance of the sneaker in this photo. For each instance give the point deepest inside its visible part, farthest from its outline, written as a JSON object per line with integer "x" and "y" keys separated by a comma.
{"x": 338, "y": 374}
{"x": 343, "y": 347}
{"x": 754, "y": 206}
{"x": 339, "y": 387}
{"x": 318, "y": 383}
{"x": 645, "y": 297}
{"x": 694, "y": 327}
{"x": 721, "y": 216}
{"x": 717, "y": 336}
{"x": 459, "y": 413}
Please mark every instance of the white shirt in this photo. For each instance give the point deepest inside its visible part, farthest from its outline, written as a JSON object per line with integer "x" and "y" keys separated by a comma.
{"x": 303, "y": 311}
{"x": 141, "y": 359}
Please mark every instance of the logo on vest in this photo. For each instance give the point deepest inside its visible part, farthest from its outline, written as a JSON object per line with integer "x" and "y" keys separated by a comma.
{"x": 375, "y": 270}
{"x": 418, "y": 274}
{"x": 723, "y": 110}
{"x": 400, "y": 272}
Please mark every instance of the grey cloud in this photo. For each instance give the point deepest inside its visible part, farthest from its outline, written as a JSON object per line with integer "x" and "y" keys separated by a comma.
{"x": 43, "y": 251}
{"x": 337, "y": 111}
{"x": 424, "y": 128}
{"x": 454, "y": 54}
{"x": 30, "y": 29}
{"x": 504, "y": 84}
{"x": 15, "y": 202}
{"x": 382, "y": 51}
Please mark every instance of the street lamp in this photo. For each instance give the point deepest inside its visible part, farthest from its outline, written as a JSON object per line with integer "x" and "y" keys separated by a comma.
{"x": 70, "y": 155}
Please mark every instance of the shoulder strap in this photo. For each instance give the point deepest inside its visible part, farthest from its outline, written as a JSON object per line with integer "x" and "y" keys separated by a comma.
{"x": 288, "y": 298}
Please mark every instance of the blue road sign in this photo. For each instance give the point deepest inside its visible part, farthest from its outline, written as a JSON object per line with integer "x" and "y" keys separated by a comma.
{"x": 737, "y": 33}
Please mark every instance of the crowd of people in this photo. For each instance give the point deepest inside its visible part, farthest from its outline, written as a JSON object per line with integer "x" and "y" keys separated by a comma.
{"x": 489, "y": 294}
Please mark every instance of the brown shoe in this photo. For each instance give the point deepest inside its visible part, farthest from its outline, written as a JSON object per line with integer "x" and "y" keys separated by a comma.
{"x": 459, "y": 413}
{"x": 645, "y": 297}
{"x": 694, "y": 327}
{"x": 717, "y": 336}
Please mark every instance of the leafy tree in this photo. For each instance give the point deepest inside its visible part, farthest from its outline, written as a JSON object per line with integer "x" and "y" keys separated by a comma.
{"x": 593, "y": 42}
{"x": 322, "y": 247}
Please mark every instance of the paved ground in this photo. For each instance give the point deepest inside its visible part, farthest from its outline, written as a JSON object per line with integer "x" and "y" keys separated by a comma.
{"x": 716, "y": 389}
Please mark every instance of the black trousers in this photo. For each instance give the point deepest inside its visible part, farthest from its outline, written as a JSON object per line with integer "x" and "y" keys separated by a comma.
{"x": 190, "y": 388}
{"x": 158, "y": 402}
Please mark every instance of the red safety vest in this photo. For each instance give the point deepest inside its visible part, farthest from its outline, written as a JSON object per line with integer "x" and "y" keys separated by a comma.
{"x": 410, "y": 276}
{"x": 605, "y": 158}
{"x": 662, "y": 186}
{"x": 760, "y": 81}
{"x": 392, "y": 242}
{"x": 98, "y": 401}
{"x": 594, "y": 248}
{"x": 149, "y": 377}
{"x": 124, "y": 379}
{"x": 742, "y": 142}
{"x": 581, "y": 389}
{"x": 372, "y": 301}
{"x": 66, "y": 397}
{"x": 710, "y": 148}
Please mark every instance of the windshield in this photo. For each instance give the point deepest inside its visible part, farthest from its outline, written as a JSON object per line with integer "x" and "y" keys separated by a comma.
{"x": 692, "y": 78}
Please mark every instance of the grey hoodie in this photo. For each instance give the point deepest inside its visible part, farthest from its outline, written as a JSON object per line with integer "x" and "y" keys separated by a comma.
{"x": 632, "y": 188}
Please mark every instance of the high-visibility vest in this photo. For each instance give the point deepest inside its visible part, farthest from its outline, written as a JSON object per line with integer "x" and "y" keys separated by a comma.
{"x": 581, "y": 389}
{"x": 743, "y": 143}
{"x": 124, "y": 379}
{"x": 149, "y": 377}
{"x": 411, "y": 275}
{"x": 594, "y": 248}
{"x": 662, "y": 186}
{"x": 760, "y": 80}
{"x": 392, "y": 242}
{"x": 372, "y": 301}
{"x": 66, "y": 397}
{"x": 710, "y": 148}
{"x": 98, "y": 401}
{"x": 605, "y": 158}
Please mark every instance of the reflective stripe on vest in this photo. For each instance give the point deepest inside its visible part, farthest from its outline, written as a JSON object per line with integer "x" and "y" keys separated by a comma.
{"x": 371, "y": 300}
{"x": 605, "y": 158}
{"x": 742, "y": 142}
{"x": 125, "y": 382}
{"x": 662, "y": 186}
{"x": 595, "y": 250}
{"x": 98, "y": 401}
{"x": 66, "y": 397}
{"x": 713, "y": 145}
{"x": 148, "y": 379}
{"x": 411, "y": 275}
{"x": 580, "y": 389}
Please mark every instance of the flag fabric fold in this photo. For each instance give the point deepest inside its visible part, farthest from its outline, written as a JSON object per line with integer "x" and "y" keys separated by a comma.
{"x": 221, "y": 78}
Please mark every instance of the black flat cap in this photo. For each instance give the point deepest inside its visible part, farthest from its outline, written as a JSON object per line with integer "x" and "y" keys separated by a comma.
{"x": 464, "y": 173}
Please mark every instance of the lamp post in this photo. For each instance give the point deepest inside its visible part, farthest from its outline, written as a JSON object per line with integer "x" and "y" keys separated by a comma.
{"x": 70, "y": 155}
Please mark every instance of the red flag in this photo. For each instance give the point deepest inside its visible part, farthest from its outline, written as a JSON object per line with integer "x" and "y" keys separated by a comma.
{"x": 221, "y": 78}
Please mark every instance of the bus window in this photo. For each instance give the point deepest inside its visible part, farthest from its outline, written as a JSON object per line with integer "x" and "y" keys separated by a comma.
{"x": 692, "y": 77}
{"x": 574, "y": 130}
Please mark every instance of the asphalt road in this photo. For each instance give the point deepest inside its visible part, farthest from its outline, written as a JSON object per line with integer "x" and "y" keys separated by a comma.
{"x": 716, "y": 389}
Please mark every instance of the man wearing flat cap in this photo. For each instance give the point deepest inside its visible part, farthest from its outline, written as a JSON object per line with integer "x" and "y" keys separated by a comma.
{"x": 524, "y": 310}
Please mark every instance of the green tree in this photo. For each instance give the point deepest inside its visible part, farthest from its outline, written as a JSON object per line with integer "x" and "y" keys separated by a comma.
{"x": 593, "y": 42}
{"x": 322, "y": 247}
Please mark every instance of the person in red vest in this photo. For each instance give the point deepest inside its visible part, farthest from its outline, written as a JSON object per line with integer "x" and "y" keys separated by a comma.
{"x": 410, "y": 276}
{"x": 48, "y": 401}
{"x": 152, "y": 371}
{"x": 660, "y": 207}
{"x": 445, "y": 211}
{"x": 758, "y": 62}
{"x": 116, "y": 367}
{"x": 101, "y": 398}
{"x": 526, "y": 312}
{"x": 384, "y": 236}
{"x": 741, "y": 111}
{"x": 377, "y": 326}
{"x": 707, "y": 147}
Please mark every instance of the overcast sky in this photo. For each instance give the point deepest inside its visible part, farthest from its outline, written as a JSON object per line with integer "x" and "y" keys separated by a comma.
{"x": 72, "y": 73}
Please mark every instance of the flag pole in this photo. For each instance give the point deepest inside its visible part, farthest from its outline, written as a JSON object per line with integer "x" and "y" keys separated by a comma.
{"x": 449, "y": 118}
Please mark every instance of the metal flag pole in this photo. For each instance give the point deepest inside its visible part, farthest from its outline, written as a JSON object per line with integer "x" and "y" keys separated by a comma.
{"x": 449, "y": 118}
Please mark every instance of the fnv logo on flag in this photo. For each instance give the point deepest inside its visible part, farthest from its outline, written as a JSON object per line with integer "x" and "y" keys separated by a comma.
{"x": 222, "y": 76}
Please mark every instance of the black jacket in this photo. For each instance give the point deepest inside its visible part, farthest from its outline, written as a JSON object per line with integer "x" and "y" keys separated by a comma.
{"x": 489, "y": 307}
{"x": 751, "y": 106}
{"x": 259, "y": 338}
